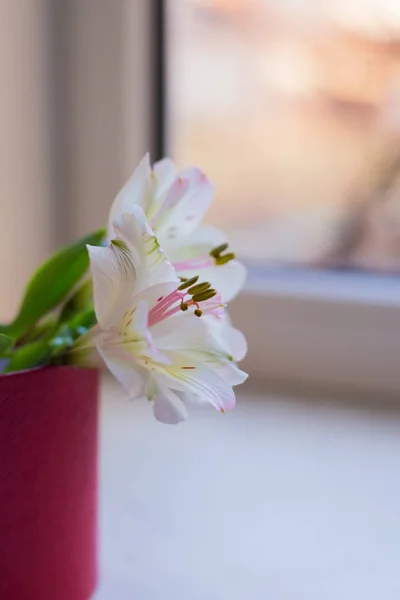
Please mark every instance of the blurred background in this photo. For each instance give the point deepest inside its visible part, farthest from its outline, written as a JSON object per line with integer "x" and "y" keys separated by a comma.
{"x": 292, "y": 108}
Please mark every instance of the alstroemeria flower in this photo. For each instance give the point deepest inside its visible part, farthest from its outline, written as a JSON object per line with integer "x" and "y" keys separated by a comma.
{"x": 149, "y": 333}
{"x": 175, "y": 205}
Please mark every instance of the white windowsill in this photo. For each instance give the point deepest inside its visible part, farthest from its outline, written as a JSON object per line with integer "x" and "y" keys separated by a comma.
{"x": 335, "y": 285}
{"x": 329, "y": 329}
{"x": 279, "y": 499}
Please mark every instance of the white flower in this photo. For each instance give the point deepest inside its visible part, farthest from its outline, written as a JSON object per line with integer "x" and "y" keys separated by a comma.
{"x": 175, "y": 205}
{"x": 148, "y": 333}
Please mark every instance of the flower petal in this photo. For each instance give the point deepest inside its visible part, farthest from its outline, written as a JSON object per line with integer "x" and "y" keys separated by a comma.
{"x": 155, "y": 293}
{"x": 197, "y": 378}
{"x": 191, "y": 255}
{"x": 166, "y": 199}
{"x": 172, "y": 198}
{"x": 213, "y": 306}
{"x": 232, "y": 374}
{"x": 132, "y": 342}
{"x": 114, "y": 277}
{"x": 131, "y": 376}
{"x": 128, "y": 350}
{"x": 198, "y": 245}
{"x": 228, "y": 279}
{"x": 151, "y": 263}
{"x": 231, "y": 339}
{"x": 168, "y": 408}
{"x": 165, "y": 172}
{"x": 138, "y": 190}
{"x": 209, "y": 341}
{"x": 187, "y": 215}
{"x": 192, "y": 337}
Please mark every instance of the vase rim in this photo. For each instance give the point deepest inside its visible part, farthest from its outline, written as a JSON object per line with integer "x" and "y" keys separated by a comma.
{"x": 44, "y": 368}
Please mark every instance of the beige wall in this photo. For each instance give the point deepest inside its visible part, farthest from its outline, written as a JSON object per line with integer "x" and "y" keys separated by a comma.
{"x": 25, "y": 178}
{"x": 74, "y": 119}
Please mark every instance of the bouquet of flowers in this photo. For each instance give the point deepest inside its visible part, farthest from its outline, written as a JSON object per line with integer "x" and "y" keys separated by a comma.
{"x": 145, "y": 297}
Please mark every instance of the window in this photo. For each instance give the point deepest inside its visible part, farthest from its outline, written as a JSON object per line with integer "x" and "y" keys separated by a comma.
{"x": 288, "y": 106}
{"x": 291, "y": 109}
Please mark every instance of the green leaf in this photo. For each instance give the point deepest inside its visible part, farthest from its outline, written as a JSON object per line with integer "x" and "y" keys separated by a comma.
{"x": 61, "y": 343}
{"x": 84, "y": 319}
{"x": 52, "y": 282}
{"x": 80, "y": 300}
{"x": 29, "y": 356}
{"x": 43, "y": 330}
{"x": 5, "y": 343}
{"x": 68, "y": 333}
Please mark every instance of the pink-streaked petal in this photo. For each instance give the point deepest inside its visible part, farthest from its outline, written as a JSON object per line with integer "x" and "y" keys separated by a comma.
{"x": 178, "y": 189}
{"x": 165, "y": 199}
{"x": 156, "y": 293}
{"x": 190, "y": 211}
{"x": 194, "y": 175}
{"x": 113, "y": 275}
{"x": 214, "y": 306}
{"x": 168, "y": 408}
{"x": 193, "y": 266}
{"x": 137, "y": 190}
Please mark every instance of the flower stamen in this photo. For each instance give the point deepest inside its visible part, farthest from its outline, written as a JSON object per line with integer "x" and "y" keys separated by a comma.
{"x": 206, "y": 295}
{"x": 186, "y": 284}
{"x": 200, "y": 287}
{"x": 215, "y": 252}
{"x": 223, "y": 260}
{"x": 219, "y": 258}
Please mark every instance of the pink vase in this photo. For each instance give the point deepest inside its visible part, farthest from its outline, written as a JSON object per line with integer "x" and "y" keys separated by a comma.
{"x": 48, "y": 484}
